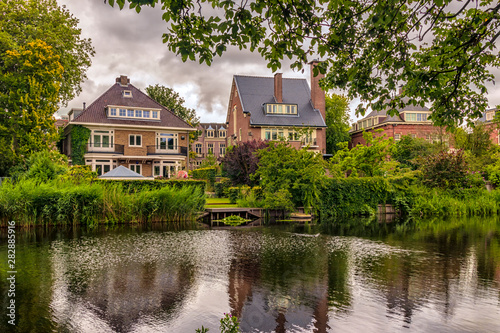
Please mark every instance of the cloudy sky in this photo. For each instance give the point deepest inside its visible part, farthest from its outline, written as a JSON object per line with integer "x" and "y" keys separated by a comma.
{"x": 127, "y": 43}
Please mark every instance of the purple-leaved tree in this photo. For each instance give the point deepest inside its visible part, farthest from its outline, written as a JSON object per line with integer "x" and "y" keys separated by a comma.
{"x": 241, "y": 161}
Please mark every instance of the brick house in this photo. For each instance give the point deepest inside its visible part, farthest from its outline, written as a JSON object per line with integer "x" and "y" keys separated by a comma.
{"x": 211, "y": 140}
{"x": 129, "y": 128}
{"x": 412, "y": 120}
{"x": 487, "y": 120}
{"x": 270, "y": 108}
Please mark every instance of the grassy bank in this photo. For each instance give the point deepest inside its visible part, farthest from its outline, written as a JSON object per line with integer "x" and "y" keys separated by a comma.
{"x": 63, "y": 202}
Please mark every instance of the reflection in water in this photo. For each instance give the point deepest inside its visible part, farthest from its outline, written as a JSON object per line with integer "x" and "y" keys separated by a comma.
{"x": 359, "y": 275}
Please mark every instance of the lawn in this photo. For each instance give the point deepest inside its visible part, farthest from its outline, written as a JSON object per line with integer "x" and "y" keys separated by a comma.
{"x": 219, "y": 203}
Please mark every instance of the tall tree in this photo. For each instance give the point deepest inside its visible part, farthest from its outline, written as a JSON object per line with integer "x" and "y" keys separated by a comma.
{"x": 33, "y": 74}
{"x": 171, "y": 99}
{"x": 337, "y": 122}
{"x": 442, "y": 51}
{"x": 43, "y": 61}
{"x": 25, "y": 21}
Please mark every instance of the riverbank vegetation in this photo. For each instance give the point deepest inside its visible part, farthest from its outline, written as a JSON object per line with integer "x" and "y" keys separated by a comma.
{"x": 48, "y": 192}
{"x": 415, "y": 176}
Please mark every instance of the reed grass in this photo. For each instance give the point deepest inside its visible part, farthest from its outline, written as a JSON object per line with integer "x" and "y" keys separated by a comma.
{"x": 29, "y": 202}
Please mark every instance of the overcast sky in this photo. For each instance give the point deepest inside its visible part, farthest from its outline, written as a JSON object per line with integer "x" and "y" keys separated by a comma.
{"x": 127, "y": 43}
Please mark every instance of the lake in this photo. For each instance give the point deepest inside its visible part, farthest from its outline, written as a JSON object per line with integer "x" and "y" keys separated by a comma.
{"x": 354, "y": 275}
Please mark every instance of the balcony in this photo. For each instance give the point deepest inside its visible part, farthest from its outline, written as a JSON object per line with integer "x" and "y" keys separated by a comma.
{"x": 99, "y": 147}
{"x": 167, "y": 150}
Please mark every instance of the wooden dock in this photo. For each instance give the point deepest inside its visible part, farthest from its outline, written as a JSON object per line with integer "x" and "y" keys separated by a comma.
{"x": 220, "y": 213}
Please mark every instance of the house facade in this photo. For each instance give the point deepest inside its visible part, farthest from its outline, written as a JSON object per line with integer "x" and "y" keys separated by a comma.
{"x": 488, "y": 120}
{"x": 412, "y": 120}
{"x": 211, "y": 140}
{"x": 129, "y": 128}
{"x": 275, "y": 108}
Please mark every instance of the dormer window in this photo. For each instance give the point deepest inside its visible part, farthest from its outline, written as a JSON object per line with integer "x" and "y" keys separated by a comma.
{"x": 122, "y": 112}
{"x": 127, "y": 93}
{"x": 490, "y": 116}
{"x": 222, "y": 133}
{"x": 414, "y": 116}
{"x": 210, "y": 133}
{"x": 287, "y": 109}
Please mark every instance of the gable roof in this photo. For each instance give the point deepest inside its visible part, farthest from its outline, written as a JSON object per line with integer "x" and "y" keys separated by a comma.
{"x": 121, "y": 172}
{"x": 255, "y": 91}
{"x": 96, "y": 113}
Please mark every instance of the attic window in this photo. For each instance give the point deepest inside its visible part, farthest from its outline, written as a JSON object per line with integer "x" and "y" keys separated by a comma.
{"x": 490, "y": 116}
{"x": 127, "y": 93}
{"x": 281, "y": 109}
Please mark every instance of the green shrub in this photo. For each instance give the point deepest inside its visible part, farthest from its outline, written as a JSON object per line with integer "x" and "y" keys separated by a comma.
{"x": 361, "y": 196}
{"x": 445, "y": 170}
{"x": 80, "y": 174}
{"x": 233, "y": 194}
{"x": 221, "y": 187}
{"x": 207, "y": 174}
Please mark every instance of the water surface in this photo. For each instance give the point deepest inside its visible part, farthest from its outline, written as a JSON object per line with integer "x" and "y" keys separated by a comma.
{"x": 354, "y": 276}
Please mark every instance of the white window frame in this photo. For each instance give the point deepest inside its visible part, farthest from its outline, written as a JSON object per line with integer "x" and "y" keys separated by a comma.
{"x": 222, "y": 149}
{"x": 167, "y": 136}
{"x": 133, "y": 167}
{"x": 102, "y": 146}
{"x": 397, "y": 137}
{"x": 210, "y": 148}
{"x": 222, "y": 133}
{"x": 133, "y": 113}
{"x": 285, "y": 109}
{"x": 135, "y": 140}
{"x": 127, "y": 93}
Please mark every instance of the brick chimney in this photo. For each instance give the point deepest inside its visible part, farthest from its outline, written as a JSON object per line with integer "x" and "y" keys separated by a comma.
{"x": 123, "y": 80}
{"x": 317, "y": 94}
{"x": 278, "y": 87}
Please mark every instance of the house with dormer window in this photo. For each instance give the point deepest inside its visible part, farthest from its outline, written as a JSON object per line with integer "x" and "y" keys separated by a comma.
{"x": 412, "y": 120}
{"x": 489, "y": 121}
{"x": 277, "y": 108}
{"x": 129, "y": 128}
{"x": 211, "y": 141}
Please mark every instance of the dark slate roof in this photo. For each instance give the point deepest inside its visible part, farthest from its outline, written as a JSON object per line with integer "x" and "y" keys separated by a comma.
{"x": 255, "y": 91}
{"x": 95, "y": 112}
{"x": 121, "y": 172}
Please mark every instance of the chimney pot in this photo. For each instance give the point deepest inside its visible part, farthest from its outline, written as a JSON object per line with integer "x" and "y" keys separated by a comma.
{"x": 123, "y": 80}
{"x": 84, "y": 106}
{"x": 278, "y": 87}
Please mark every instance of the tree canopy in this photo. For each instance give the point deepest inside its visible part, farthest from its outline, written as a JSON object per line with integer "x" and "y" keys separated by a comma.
{"x": 24, "y": 21}
{"x": 337, "y": 122}
{"x": 42, "y": 63}
{"x": 441, "y": 51}
{"x": 171, "y": 99}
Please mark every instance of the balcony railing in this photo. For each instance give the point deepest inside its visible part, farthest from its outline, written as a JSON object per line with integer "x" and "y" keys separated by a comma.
{"x": 166, "y": 150}
{"x": 99, "y": 147}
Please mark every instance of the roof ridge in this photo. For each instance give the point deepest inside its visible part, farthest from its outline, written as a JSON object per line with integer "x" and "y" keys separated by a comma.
{"x": 95, "y": 101}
